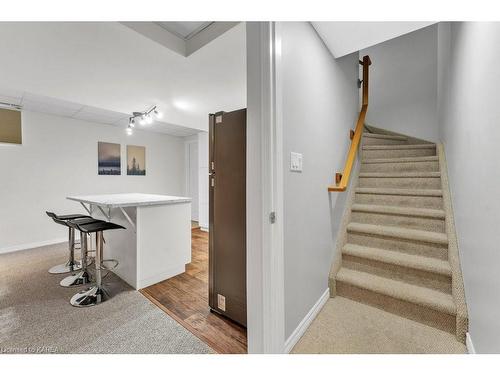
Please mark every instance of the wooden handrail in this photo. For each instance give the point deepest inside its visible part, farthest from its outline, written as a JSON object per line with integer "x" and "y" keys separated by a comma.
{"x": 342, "y": 179}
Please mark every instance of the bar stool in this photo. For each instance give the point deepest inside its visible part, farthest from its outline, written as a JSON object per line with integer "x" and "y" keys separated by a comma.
{"x": 83, "y": 276}
{"x": 72, "y": 264}
{"x": 95, "y": 294}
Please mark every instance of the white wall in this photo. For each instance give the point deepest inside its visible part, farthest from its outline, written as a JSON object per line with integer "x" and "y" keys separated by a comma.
{"x": 320, "y": 105}
{"x": 403, "y": 84}
{"x": 58, "y": 158}
{"x": 471, "y": 134}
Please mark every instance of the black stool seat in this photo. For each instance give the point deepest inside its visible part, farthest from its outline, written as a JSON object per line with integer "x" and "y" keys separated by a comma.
{"x": 72, "y": 264}
{"x": 72, "y": 223}
{"x": 66, "y": 217}
{"x": 97, "y": 226}
{"x": 97, "y": 293}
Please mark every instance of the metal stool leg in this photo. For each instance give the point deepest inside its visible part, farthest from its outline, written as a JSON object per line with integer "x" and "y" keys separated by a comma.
{"x": 82, "y": 277}
{"x": 95, "y": 294}
{"x": 72, "y": 264}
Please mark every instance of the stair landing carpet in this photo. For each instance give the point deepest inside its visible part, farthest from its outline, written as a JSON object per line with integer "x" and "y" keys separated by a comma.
{"x": 345, "y": 326}
{"x": 399, "y": 257}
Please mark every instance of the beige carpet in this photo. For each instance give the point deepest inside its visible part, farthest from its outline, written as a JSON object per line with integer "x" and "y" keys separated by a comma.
{"x": 36, "y": 317}
{"x": 398, "y": 245}
{"x": 346, "y": 326}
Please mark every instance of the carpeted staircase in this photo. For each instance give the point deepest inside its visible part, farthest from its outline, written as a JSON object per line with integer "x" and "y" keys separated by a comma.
{"x": 398, "y": 244}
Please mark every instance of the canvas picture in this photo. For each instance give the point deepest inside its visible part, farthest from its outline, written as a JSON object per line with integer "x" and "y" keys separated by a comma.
{"x": 109, "y": 160}
{"x": 136, "y": 160}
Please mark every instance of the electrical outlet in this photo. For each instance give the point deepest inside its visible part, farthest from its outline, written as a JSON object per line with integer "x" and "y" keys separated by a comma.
{"x": 295, "y": 162}
{"x": 221, "y": 302}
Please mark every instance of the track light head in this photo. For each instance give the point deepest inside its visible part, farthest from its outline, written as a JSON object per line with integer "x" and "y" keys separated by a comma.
{"x": 157, "y": 113}
{"x": 129, "y": 130}
{"x": 143, "y": 118}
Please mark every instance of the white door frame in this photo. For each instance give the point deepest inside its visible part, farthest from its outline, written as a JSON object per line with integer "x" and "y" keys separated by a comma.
{"x": 265, "y": 257}
{"x": 187, "y": 175}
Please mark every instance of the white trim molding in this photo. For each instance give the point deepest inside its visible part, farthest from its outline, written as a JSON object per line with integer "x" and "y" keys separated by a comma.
{"x": 26, "y": 246}
{"x": 306, "y": 322}
{"x": 187, "y": 173}
{"x": 265, "y": 255}
{"x": 469, "y": 344}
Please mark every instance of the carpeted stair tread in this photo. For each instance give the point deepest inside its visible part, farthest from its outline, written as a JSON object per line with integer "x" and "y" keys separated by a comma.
{"x": 409, "y": 192}
{"x": 400, "y": 147}
{"x": 399, "y": 233}
{"x": 396, "y": 240}
{"x": 385, "y": 136}
{"x": 417, "y": 262}
{"x": 400, "y": 175}
{"x": 430, "y": 298}
{"x": 415, "y": 159}
{"x": 399, "y": 210}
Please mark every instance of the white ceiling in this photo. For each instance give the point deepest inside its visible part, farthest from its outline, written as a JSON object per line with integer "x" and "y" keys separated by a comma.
{"x": 44, "y": 104}
{"x": 110, "y": 70}
{"x": 184, "y": 38}
{"x": 343, "y": 38}
{"x": 185, "y": 30}
{"x": 109, "y": 66}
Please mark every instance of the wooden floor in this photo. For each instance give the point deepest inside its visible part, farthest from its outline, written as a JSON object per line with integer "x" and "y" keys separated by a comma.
{"x": 185, "y": 298}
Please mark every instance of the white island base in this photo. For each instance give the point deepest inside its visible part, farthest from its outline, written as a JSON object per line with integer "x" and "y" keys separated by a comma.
{"x": 156, "y": 244}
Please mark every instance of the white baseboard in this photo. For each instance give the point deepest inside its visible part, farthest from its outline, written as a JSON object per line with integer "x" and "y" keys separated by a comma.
{"x": 469, "y": 344}
{"x": 25, "y": 246}
{"x": 204, "y": 229}
{"x": 304, "y": 324}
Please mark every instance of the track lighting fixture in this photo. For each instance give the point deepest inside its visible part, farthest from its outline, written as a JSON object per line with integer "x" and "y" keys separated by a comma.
{"x": 143, "y": 118}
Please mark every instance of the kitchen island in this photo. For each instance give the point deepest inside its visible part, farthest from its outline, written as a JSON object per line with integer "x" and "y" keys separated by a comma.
{"x": 156, "y": 244}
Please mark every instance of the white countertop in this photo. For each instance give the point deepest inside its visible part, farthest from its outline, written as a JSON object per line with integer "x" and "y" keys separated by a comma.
{"x": 129, "y": 199}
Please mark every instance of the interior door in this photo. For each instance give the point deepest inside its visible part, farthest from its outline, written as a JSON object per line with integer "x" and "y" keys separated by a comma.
{"x": 227, "y": 214}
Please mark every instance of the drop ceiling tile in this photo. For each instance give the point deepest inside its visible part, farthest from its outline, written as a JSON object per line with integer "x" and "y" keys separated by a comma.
{"x": 122, "y": 121}
{"x": 187, "y": 133}
{"x": 164, "y": 127}
{"x": 50, "y": 102}
{"x": 60, "y": 111}
{"x": 94, "y": 118}
{"x": 40, "y": 107}
{"x": 43, "y": 104}
{"x": 103, "y": 112}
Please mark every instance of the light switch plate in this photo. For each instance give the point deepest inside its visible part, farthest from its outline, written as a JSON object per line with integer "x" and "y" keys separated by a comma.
{"x": 295, "y": 162}
{"x": 221, "y": 302}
